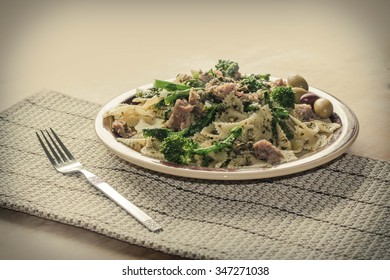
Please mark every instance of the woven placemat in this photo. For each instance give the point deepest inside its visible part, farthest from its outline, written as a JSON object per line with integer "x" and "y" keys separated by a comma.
{"x": 338, "y": 211}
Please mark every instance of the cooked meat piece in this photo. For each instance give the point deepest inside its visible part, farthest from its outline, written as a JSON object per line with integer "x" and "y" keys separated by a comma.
{"x": 218, "y": 73}
{"x": 180, "y": 117}
{"x": 205, "y": 77}
{"x": 303, "y": 112}
{"x": 121, "y": 128}
{"x": 264, "y": 150}
{"x": 221, "y": 91}
{"x": 279, "y": 82}
{"x": 194, "y": 99}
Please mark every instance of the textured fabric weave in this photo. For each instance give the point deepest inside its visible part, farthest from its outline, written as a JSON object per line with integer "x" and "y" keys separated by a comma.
{"x": 338, "y": 211}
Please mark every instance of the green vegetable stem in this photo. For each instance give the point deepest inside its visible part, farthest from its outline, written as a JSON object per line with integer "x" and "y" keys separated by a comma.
{"x": 181, "y": 150}
{"x": 169, "y": 86}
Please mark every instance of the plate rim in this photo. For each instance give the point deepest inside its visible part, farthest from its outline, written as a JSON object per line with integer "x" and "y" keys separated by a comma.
{"x": 349, "y": 133}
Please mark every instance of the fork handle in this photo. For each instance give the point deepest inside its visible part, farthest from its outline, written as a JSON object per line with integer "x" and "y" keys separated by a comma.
{"x": 129, "y": 207}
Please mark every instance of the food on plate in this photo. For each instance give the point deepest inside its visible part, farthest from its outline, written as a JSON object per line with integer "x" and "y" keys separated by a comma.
{"x": 323, "y": 108}
{"x": 221, "y": 118}
{"x": 309, "y": 98}
{"x": 297, "y": 81}
{"x": 299, "y": 92}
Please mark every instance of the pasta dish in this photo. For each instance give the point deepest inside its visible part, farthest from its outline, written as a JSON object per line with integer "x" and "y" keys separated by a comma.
{"x": 221, "y": 118}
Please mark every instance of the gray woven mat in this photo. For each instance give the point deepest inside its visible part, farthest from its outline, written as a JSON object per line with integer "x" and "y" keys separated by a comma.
{"x": 338, "y": 211}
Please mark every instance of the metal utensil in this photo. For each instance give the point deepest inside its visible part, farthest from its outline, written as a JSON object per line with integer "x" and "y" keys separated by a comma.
{"x": 64, "y": 162}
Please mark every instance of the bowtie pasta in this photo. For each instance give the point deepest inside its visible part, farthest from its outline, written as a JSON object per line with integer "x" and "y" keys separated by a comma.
{"x": 224, "y": 119}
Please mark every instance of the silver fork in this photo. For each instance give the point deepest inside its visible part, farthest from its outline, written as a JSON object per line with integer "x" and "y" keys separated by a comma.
{"x": 64, "y": 162}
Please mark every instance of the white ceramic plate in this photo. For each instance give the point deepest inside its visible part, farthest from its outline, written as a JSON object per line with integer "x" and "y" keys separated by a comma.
{"x": 345, "y": 138}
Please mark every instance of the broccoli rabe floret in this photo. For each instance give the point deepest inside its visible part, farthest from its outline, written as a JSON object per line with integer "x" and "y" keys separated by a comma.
{"x": 181, "y": 150}
{"x": 227, "y": 67}
{"x": 255, "y": 82}
{"x": 178, "y": 149}
{"x": 279, "y": 116}
{"x": 175, "y": 145}
{"x": 158, "y": 133}
{"x": 284, "y": 96}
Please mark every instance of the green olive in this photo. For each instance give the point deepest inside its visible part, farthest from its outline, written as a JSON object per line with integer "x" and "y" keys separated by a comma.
{"x": 297, "y": 81}
{"x": 323, "y": 108}
{"x": 298, "y": 93}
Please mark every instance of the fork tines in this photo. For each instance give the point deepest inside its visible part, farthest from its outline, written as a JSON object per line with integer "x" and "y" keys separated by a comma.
{"x": 57, "y": 148}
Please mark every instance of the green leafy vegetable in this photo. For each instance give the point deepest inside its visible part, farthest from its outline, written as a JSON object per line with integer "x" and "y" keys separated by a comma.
{"x": 162, "y": 133}
{"x": 279, "y": 115}
{"x": 178, "y": 149}
{"x": 195, "y": 81}
{"x": 251, "y": 107}
{"x": 209, "y": 117}
{"x": 255, "y": 82}
{"x": 227, "y": 67}
{"x": 284, "y": 96}
{"x": 171, "y": 98}
{"x": 176, "y": 91}
{"x": 227, "y": 143}
{"x": 181, "y": 150}
{"x": 158, "y": 133}
{"x": 169, "y": 86}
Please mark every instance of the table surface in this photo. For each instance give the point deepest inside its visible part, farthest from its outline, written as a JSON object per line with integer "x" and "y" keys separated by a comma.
{"x": 96, "y": 53}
